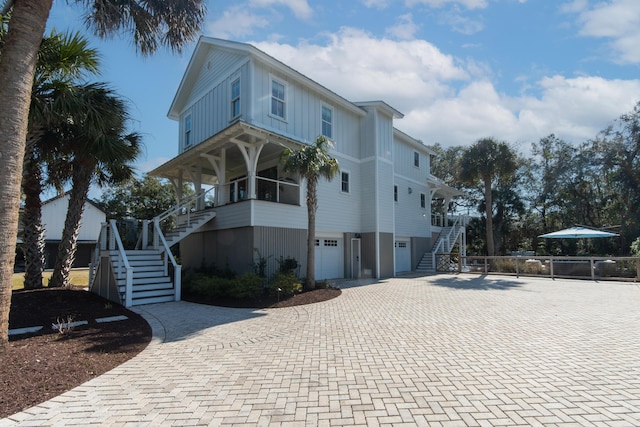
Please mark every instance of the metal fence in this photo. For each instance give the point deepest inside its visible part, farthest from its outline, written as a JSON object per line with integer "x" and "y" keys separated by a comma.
{"x": 594, "y": 268}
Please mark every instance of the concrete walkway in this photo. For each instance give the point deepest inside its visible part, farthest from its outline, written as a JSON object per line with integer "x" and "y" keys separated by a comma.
{"x": 439, "y": 350}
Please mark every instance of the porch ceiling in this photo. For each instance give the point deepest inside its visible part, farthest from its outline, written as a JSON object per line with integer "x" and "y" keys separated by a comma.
{"x": 239, "y": 132}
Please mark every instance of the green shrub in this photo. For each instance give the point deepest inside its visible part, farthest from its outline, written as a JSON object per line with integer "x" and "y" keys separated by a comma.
{"x": 247, "y": 286}
{"x": 287, "y": 283}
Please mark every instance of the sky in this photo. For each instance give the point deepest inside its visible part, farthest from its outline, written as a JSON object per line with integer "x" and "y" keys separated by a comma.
{"x": 459, "y": 70}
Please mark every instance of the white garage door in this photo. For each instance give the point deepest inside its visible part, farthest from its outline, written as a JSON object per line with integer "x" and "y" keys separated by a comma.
{"x": 329, "y": 258}
{"x": 403, "y": 256}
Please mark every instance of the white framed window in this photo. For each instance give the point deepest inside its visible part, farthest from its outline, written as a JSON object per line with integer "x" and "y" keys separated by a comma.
{"x": 187, "y": 131}
{"x": 344, "y": 182}
{"x": 423, "y": 200}
{"x": 395, "y": 193}
{"x": 416, "y": 159}
{"x": 327, "y": 121}
{"x": 235, "y": 98}
{"x": 278, "y": 99}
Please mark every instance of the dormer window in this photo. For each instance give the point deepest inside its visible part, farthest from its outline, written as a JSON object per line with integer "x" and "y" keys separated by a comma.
{"x": 235, "y": 98}
{"x": 278, "y": 102}
{"x": 327, "y": 122}
{"x": 187, "y": 131}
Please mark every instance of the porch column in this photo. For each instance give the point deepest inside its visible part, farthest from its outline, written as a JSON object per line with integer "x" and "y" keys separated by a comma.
{"x": 218, "y": 163}
{"x": 432, "y": 192}
{"x": 251, "y": 154}
{"x": 196, "y": 177}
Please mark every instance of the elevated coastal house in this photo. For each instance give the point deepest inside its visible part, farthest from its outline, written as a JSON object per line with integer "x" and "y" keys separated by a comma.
{"x": 238, "y": 109}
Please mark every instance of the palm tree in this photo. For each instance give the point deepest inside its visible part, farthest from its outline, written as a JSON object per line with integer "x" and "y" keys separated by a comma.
{"x": 483, "y": 162}
{"x": 62, "y": 59}
{"x": 100, "y": 150}
{"x": 170, "y": 23}
{"x": 311, "y": 162}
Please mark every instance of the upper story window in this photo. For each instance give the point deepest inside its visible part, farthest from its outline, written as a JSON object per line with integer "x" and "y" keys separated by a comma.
{"x": 278, "y": 102}
{"x": 235, "y": 98}
{"x": 327, "y": 122}
{"x": 423, "y": 200}
{"x": 395, "y": 193}
{"x": 416, "y": 159}
{"x": 187, "y": 131}
{"x": 345, "y": 182}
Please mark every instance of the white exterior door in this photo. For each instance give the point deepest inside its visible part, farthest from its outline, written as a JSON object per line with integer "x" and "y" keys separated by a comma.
{"x": 403, "y": 256}
{"x": 329, "y": 258}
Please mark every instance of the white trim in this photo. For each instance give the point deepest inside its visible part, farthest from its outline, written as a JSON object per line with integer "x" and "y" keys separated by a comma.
{"x": 285, "y": 101}
{"x": 324, "y": 105}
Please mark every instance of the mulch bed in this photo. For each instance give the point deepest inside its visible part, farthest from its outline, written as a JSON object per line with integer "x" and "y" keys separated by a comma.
{"x": 39, "y": 366}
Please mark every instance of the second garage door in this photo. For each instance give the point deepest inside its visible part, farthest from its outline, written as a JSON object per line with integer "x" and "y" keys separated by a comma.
{"x": 329, "y": 258}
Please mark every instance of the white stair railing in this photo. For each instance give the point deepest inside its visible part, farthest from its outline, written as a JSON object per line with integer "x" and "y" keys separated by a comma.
{"x": 182, "y": 208}
{"x": 168, "y": 257}
{"x": 115, "y": 243}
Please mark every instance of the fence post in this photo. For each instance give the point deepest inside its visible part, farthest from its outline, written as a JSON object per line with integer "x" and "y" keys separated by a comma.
{"x": 517, "y": 266}
{"x": 593, "y": 271}
{"x": 486, "y": 261}
{"x": 551, "y": 266}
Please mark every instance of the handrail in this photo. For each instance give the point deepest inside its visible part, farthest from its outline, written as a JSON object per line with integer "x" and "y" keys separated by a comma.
{"x": 124, "y": 262}
{"x": 168, "y": 256}
{"x": 101, "y": 243}
{"x": 176, "y": 209}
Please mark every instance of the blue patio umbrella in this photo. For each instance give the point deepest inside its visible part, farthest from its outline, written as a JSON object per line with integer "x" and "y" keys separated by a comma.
{"x": 578, "y": 233}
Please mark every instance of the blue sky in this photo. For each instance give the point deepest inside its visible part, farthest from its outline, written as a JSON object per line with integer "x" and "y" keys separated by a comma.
{"x": 459, "y": 70}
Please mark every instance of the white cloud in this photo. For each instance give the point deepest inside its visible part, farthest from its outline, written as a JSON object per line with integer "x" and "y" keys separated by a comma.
{"x": 616, "y": 20}
{"x": 469, "y": 4}
{"x": 377, "y": 4}
{"x": 236, "y": 21}
{"x": 451, "y": 101}
{"x": 405, "y": 28}
{"x": 300, "y": 8}
{"x": 460, "y": 23}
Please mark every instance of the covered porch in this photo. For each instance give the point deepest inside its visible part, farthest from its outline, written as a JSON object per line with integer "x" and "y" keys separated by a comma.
{"x": 240, "y": 163}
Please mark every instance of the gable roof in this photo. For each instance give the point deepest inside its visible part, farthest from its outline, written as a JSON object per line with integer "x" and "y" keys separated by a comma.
{"x": 198, "y": 59}
{"x": 66, "y": 194}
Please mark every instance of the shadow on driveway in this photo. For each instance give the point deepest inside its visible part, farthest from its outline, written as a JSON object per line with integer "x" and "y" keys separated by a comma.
{"x": 479, "y": 283}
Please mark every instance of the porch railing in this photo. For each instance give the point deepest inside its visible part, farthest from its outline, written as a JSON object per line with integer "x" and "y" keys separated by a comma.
{"x": 268, "y": 189}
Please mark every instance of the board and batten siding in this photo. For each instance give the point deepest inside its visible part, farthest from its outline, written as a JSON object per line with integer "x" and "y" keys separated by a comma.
{"x": 303, "y": 112}
{"x": 218, "y": 64}
{"x": 54, "y": 214}
{"x": 211, "y": 111}
{"x": 404, "y": 161}
{"x": 338, "y": 211}
{"x": 410, "y": 219}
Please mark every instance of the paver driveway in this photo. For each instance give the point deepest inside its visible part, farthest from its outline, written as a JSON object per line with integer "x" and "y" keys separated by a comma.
{"x": 435, "y": 350}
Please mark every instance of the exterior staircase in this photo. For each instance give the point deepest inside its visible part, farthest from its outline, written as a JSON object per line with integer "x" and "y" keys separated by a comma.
{"x": 148, "y": 273}
{"x": 444, "y": 244}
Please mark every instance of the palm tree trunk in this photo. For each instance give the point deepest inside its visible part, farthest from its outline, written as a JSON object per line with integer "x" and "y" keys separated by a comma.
{"x": 33, "y": 231}
{"x": 69, "y": 242}
{"x": 488, "y": 200}
{"x": 312, "y": 206}
{"x": 17, "y": 65}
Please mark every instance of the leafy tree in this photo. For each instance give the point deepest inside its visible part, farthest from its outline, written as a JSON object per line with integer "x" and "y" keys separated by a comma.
{"x": 311, "y": 162}
{"x": 140, "y": 198}
{"x": 99, "y": 150}
{"x": 151, "y": 24}
{"x": 481, "y": 166}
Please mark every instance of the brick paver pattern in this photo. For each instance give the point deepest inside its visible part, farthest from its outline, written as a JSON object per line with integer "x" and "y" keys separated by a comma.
{"x": 440, "y": 350}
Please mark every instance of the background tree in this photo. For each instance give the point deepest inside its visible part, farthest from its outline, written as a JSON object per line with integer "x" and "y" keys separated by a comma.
{"x": 140, "y": 198}
{"x": 99, "y": 150}
{"x": 311, "y": 162}
{"x": 150, "y": 24}
{"x": 481, "y": 165}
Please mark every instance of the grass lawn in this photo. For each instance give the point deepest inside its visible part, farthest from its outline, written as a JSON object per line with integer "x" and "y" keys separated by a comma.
{"x": 78, "y": 277}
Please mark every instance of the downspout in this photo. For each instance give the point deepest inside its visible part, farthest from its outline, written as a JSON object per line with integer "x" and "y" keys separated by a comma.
{"x": 377, "y": 169}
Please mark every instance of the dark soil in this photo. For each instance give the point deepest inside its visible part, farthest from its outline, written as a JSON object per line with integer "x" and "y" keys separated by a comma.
{"x": 39, "y": 366}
